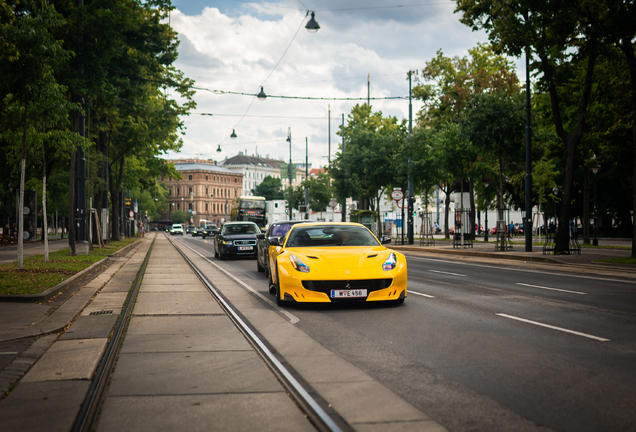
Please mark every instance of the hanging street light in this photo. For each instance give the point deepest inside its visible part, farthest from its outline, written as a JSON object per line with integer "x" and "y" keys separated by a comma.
{"x": 312, "y": 25}
{"x": 218, "y": 150}
{"x": 233, "y": 135}
{"x": 261, "y": 95}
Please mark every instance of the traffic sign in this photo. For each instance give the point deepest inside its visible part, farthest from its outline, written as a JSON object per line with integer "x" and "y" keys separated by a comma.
{"x": 131, "y": 214}
{"x": 333, "y": 202}
{"x": 397, "y": 195}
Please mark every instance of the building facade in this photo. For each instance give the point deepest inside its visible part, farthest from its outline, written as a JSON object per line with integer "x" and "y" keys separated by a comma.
{"x": 205, "y": 191}
{"x": 255, "y": 168}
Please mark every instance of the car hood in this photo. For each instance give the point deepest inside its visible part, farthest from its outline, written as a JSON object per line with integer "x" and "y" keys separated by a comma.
{"x": 239, "y": 237}
{"x": 343, "y": 257}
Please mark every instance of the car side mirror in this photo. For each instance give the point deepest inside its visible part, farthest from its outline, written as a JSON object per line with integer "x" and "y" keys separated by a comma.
{"x": 274, "y": 241}
{"x": 385, "y": 240}
{"x": 260, "y": 236}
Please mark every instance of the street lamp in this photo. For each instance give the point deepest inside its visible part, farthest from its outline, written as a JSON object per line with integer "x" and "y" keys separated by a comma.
{"x": 261, "y": 95}
{"x": 232, "y": 135}
{"x": 595, "y": 169}
{"x": 211, "y": 198}
{"x": 192, "y": 207}
{"x": 218, "y": 149}
{"x": 312, "y": 25}
{"x": 487, "y": 229}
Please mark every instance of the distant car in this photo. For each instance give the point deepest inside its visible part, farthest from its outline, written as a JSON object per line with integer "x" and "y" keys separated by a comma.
{"x": 189, "y": 229}
{"x": 196, "y": 231}
{"x": 176, "y": 229}
{"x": 265, "y": 250}
{"x": 210, "y": 230}
{"x": 236, "y": 239}
{"x": 337, "y": 262}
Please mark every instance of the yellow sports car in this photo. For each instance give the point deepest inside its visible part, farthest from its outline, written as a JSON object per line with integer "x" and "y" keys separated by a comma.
{"x": 336, "y": 262}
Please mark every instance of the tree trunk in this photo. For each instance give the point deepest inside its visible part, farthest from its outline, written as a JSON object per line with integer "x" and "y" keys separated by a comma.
{"x": 571, "y": 142}
{"x": 114, "y": 199}
{"x": 71, "y": 207}
{"x": 22, "y": 174}
{"x": 45, "y": 225}
{"x": 446, "y": 211}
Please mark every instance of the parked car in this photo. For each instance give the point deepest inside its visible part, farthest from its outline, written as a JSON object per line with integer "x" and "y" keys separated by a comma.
{"x": 265, "y": 250}
{"x": 176, "y": 229}
{"x": 236, "y": 239}
{"x": 210, "y": 230}
{"x": 336, "y": 262}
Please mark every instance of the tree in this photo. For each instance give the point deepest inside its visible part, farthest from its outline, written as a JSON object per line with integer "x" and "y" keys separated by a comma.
{"x": 494, "y": 123}
{"x": 271, "y": 188}
{"x": 30, "y": 95}
{"x": 320, "y": 192}
{"x": 556, "y": 34}
{"x": 179, "y": 217}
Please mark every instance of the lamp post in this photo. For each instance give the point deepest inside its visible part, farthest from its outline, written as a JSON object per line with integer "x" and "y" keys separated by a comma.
{"x": 289, "y": 169}
{"x": 306, "y": 178}
{"x": 211, "y": 198}
{"x": 192, "y": 207}
{"x": 595, "y": 169}
{"x": 487, "y": 229}
{"x": 11, "y": 187}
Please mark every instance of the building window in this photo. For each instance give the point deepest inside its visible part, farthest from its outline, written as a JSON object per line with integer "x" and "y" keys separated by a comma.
{"x": 206, "y": 207}
{"x": 178, "y": 206}
{"x": 206, "y": 192}
{"x": 206, "y": 178}
{"x": 190, "y": 177}
{"x": 169, "y": 191}
{"x": 190, "y": 191}
{"x": 190, "y": 206}
{"x": 178, "y": 191}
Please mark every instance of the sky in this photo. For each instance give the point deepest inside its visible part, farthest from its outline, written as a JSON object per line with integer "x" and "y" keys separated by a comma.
{"x": 239, "y": 46}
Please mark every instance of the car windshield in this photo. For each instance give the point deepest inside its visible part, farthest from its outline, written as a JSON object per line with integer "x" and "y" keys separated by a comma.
{"x": 176, "y": 226}
{"x": 248, "y": 228}
{"x": 318, "y": 236}
{"x": 281, "y": 230}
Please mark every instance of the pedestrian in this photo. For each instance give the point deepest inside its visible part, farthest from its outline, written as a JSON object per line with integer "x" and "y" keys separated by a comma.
{"x": 511, "y": 229}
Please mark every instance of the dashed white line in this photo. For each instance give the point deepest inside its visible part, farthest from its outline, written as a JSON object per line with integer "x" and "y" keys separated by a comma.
{"x": 420, "y": 294}
{"x": 449, "y": 273}
{"x": 552, "y": 289}
{"x": 553, "y": 327}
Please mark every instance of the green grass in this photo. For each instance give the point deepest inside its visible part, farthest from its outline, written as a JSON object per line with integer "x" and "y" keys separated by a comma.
{"x": 628, "y": 260}
{"x": 38, "y": 276}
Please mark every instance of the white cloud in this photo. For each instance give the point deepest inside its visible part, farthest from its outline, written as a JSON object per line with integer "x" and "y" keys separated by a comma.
{"x": 236, "y": 50}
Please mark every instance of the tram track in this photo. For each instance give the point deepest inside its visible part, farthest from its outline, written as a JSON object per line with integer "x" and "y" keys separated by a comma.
{"x": 307, "y": 403}
{"x": 88, "y": 416}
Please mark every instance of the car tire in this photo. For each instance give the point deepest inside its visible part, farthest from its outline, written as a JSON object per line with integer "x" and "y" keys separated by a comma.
{"x": 266, "y": 271}
{"x": 272, "y": 288}
{"x": 216, "y": 254}
{"x": 279, "y": 301}
{"x": 259, "y": 267}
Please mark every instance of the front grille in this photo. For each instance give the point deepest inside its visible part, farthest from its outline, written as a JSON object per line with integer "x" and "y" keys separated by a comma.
{"x": 245, "y": 242}
{"x": 325, "y": 286}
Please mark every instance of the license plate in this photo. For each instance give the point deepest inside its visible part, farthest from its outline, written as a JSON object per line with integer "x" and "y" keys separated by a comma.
{"x": 246, "y": 248}
{"x": 348, "y": 293}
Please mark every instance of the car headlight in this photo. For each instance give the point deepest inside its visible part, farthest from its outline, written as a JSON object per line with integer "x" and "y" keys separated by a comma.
{"x": 390, "y": 262}
{"x": 298, "y": 264}
{"x": 227, "y": 242}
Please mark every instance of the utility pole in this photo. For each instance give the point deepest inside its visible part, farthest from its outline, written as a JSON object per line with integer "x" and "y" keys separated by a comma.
{"x": 344, "y": 199}
{"x": 527, "y": 223}
{"x": 369, "y": 89}
{"x": 81, "y": 244}
{"x": 329, "y": 138}
{"x": 409, "y": 232}
{"x": 306, "y": 178}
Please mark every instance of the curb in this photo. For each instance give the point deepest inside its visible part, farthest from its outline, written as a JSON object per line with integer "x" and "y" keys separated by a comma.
{"x": 62, "y": 286}
{"x": 476, "y": 254}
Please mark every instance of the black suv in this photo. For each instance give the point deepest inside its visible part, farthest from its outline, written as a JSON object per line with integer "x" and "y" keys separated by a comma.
{"x": 210, "y": 231}
{"x": 236, "y": 239}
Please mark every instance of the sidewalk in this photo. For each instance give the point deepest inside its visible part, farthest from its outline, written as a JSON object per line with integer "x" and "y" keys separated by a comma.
{"x": 10, "y": 253}
{"x": 588, "y": 260}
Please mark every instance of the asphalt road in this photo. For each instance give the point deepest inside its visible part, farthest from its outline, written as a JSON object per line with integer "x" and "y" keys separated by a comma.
{"x": 482, "y": 347}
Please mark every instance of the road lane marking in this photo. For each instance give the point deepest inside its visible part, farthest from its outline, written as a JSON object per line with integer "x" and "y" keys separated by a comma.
{"x": 420, "y": 294}
{"x": 517, "y": 270}
{"x": 449, "y": 273}
{"x": 553, "y": 289}
{"x": 554, "y": 328}
{"x": 292, "y": 318}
